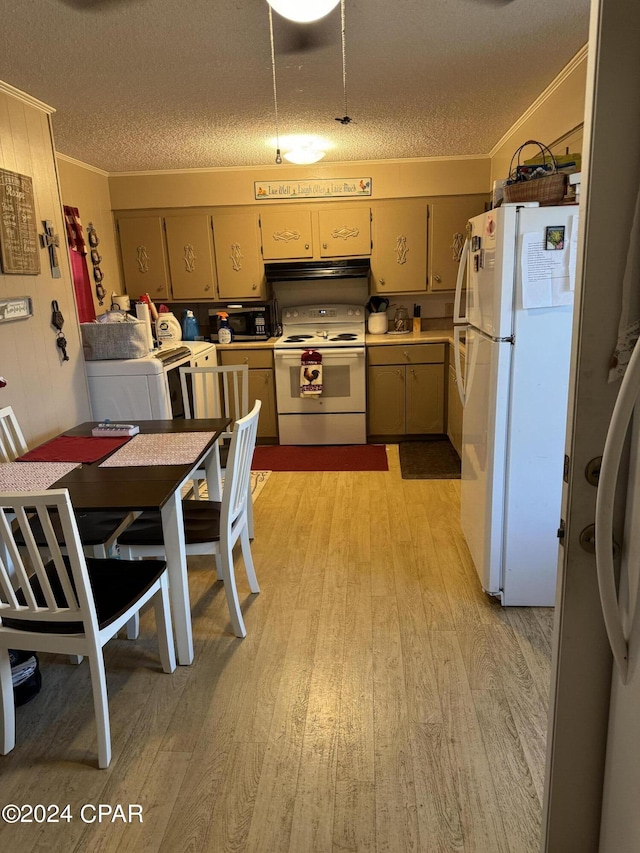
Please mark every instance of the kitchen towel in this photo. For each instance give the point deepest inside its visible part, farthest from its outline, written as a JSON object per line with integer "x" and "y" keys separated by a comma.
{"x": 73, "y": 448}
{"x": 310, "y": 373}
{"x": 629, "y": 325}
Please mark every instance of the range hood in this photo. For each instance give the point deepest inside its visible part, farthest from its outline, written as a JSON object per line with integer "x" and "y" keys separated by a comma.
{"x": 317, "y": 270}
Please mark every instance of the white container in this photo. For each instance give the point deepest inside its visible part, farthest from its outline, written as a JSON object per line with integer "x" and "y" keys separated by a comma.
{"x": 378, "y": 324}
{"x": 168, "y": 327}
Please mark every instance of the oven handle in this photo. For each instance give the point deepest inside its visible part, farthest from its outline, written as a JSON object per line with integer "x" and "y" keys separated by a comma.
{"x": 327, "y": 353}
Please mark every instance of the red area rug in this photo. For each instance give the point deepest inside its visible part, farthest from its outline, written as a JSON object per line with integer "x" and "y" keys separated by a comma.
{"x": 344, "y": 457}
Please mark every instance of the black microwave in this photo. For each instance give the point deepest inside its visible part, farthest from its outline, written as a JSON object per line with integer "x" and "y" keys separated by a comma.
{"x": 248, "y": 322}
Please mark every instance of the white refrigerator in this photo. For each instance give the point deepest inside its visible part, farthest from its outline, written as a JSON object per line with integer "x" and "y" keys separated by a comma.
{"x": 517, "y": 326}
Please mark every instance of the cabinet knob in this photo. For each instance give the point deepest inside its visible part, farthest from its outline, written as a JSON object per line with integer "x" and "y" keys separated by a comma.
{"x": 246, "y": 359}
{"x": 437, "y": 278}
{"x": 398, "y": 372}
{"x": 382, "y": 281}
{"x": 306, "y": 245}
{"x": 207, "y": 287}
{"x": 406, "y": 354}
{"x": 160, "y": 289}
{"x": 254, "y": 287}
{"x": 324, "y": 245}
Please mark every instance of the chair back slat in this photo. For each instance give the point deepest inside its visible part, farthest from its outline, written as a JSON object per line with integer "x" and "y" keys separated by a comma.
{"x": 216, "y": 392}
{"x": 49, "y": 593}
{"x": 12, "y": 443}
{"x": 236, "y": 486}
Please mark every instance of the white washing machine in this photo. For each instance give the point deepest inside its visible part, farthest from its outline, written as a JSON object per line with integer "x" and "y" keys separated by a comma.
{"x": 148, "y": 388}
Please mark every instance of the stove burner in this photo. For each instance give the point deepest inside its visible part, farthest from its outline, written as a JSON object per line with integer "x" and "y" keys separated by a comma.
{"x": 294, "y": 339}
{"x": 345, "y": 336}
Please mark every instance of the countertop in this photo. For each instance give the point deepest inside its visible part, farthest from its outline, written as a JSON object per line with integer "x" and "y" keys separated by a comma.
{"x": 426, "y": 336}
{"x": 247, "y": 345}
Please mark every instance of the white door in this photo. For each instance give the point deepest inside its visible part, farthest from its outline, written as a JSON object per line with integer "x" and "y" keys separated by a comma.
{"x": 484, "y": 453}
{"x": 620, "y": 828}
{"x": 581, "y": 702}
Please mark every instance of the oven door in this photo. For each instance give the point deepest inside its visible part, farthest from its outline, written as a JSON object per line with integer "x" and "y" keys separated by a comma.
{"x": 343, "y": 382}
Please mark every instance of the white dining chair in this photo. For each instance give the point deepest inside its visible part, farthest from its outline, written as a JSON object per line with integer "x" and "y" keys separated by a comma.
{"x": 217, "y": 392}
{"x": 98, "y": 530}
{"x": 212, "y": 527}
{"x": 70, "y": 605}
{"x": 12, "y": 442}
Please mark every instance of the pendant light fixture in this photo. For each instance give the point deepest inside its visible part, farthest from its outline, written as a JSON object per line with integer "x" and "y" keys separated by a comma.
{"x": 303, "y": 11}
{"x": 344, "y": 119}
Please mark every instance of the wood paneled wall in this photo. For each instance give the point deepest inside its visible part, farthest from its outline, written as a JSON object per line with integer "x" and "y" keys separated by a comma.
{"x": 47, "y": 394}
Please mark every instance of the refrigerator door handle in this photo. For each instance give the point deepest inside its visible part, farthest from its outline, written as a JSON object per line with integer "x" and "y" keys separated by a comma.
{"x": 464, "y": 255}
{"x": 614, "y": 443}
{"x": 457, "y": 331}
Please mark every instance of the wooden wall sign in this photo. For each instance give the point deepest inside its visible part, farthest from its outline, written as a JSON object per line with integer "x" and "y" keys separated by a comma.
{"x": 19, "y": 249}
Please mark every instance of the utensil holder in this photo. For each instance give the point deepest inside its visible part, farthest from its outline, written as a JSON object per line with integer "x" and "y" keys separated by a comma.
{"x": 378, "y": 324}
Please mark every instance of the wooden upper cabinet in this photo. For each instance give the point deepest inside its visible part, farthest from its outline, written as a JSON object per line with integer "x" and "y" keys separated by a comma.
{"x": 399, "y": 254}
{"x": 345, "y": 231}
{"x": 236, "y": 238}
{"x": 190, "y": 249}
{"x": 448, "y": 220}
{"x": 286, "y": 234}
{"x": 144, "y": 261}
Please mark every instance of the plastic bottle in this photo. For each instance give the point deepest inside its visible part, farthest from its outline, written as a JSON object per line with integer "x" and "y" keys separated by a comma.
{"x": 225, "y": 332}
{"x": 189, "y": 326}
{"x": 168, "y": 327}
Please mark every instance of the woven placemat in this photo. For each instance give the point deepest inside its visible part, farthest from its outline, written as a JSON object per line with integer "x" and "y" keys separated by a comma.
{"x": 429, "y": 460}
{"x": 32, "y": 476}
{"x": 165, "y": 448}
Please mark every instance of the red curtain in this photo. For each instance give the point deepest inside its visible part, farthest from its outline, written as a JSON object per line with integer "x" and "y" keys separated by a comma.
{"x": 79, "y": 270}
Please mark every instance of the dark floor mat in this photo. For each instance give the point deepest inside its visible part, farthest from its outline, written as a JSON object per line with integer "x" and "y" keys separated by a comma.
{"x": 429, "y": 460}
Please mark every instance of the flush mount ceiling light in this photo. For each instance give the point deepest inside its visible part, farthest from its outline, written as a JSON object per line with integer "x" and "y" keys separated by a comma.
{"x": 303, "y": 11}
{"x": 304, "y": 156}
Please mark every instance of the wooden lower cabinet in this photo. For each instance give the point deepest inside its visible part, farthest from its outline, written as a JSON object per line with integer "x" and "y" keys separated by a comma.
{"x": 261, "y": 385}
{"x": 406, "y": 390}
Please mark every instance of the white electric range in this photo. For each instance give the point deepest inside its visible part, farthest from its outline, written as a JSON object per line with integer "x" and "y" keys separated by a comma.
{"x": 338, "y": 414}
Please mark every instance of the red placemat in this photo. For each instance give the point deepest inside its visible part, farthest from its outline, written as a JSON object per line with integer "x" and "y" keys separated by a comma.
{"x": 74, "y": 448}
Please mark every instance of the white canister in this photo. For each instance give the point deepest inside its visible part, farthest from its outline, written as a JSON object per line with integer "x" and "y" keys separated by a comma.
{"x": 168, "y": 327}
{"x": 377, "y": 324}
{"x": 120, "y": 302}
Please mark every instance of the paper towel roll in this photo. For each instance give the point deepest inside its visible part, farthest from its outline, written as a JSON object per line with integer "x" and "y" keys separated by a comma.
{"x": 142, "y": 313}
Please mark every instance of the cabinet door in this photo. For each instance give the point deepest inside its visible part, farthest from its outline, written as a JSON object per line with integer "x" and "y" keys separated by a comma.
{"x": 399, "y": 254}
{"x": 143, "y": 253}
{"x": 385, "y": 406}
{"x": 425, "y": 398}
{"x": 448, "y": 222}
{"x": 286, "y": 234}
{"x": 262, "y": 387}
{"x": 190, "y": 248}
{"x": 345, "y": 231}
{"x": 236, "y": 237}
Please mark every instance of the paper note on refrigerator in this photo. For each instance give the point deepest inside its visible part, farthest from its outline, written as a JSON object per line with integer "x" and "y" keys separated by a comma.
{"x": 546, "y": 280}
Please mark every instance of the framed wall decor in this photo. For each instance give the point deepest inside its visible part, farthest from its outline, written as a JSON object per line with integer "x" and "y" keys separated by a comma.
{"x": 19, "y": 246}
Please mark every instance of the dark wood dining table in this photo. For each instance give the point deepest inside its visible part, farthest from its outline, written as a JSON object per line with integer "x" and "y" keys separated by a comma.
{"x": 152, "y": 487}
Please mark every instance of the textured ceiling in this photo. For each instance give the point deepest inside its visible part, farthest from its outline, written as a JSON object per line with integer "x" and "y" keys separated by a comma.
{"x": 165, "y": 84}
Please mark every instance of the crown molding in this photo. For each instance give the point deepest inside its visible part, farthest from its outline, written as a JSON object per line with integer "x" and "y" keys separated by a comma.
{"x": 570, "y": 67}
{"x": 7, "y": 89}
{"x": 82, "y": 165}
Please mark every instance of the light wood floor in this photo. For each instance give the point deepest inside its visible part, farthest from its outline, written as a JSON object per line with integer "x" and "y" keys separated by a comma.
{"x": 380, "y": 702}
